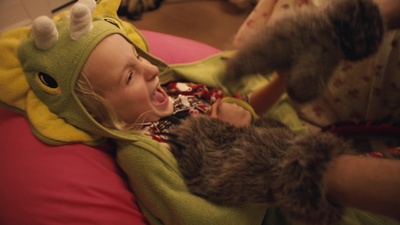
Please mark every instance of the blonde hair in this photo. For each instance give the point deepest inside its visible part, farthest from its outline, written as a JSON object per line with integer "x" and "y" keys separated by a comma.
{"x": 98, "y": 107}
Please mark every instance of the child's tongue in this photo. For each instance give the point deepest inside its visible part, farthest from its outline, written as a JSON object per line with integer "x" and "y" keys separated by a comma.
{"x": 159, "y": 98}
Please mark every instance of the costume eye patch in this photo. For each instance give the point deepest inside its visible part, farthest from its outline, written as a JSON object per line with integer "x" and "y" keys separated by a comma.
{"x": 48, "y": 83}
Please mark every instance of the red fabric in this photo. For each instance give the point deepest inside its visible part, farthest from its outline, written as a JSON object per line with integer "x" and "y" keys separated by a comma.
{"x": 75, "y": 184}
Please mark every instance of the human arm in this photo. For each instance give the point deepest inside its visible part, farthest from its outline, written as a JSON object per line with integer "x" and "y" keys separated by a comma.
{"x": 265, "y": 97}
{"x": 365, "y": 183}
{"x": 261, "y": 100}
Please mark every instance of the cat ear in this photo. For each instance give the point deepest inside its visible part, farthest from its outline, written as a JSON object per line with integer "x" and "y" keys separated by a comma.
{"x": 44, "y": 32}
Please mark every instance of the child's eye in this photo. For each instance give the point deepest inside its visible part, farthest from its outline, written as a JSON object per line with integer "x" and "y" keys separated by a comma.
{"x": 129, "y": 78}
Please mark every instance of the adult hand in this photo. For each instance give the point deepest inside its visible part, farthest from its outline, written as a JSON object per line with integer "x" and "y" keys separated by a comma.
{"x": 231, "y": 113}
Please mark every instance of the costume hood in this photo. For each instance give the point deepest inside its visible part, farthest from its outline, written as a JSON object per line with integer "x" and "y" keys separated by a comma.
{"x": 44, "y": 61}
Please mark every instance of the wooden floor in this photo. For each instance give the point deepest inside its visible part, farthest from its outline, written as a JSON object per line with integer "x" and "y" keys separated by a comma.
{"x": 213, "y": 22}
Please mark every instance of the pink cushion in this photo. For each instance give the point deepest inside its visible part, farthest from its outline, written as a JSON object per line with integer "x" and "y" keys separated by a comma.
{"x": 76, "y": 184}
{"x": 43, "y": 184}
{"x": 173, "y": 49}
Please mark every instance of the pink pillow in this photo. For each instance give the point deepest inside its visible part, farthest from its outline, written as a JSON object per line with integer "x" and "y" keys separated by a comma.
{"x": 42, "y": 184}
{"x": 173, "y": 49}
{"x": 76, "y": 184}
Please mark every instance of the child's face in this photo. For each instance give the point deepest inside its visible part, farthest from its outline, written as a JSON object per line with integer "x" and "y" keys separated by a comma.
{"x": 127, "y": 81}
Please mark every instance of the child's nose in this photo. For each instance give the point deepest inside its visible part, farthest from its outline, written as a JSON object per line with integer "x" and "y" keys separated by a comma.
{"x": 151, "y": 71}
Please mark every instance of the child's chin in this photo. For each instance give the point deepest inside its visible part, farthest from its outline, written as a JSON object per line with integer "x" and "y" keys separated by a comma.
{"x": 165, "y": 109}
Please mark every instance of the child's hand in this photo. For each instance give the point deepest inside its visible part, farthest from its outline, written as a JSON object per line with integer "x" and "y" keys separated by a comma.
{"x": 231, "y": 113}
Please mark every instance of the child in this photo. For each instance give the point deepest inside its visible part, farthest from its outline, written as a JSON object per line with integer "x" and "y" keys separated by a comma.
{"x": 104, "y": 86}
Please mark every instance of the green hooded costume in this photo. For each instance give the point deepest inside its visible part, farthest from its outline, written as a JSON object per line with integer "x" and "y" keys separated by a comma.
{"x": 39, "y": 69}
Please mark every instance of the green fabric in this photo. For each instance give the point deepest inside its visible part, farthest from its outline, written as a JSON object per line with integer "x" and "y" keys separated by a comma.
{"x": 358, "y": 217}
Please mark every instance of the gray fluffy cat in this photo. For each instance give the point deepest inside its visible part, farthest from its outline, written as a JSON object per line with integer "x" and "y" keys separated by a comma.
{"x": 267, "y": 162}
{"x": 310, "y": 43}
{"x": 262, "y": 163}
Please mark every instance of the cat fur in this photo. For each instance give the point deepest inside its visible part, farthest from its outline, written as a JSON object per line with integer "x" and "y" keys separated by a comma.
{"x": 262, "y": 163}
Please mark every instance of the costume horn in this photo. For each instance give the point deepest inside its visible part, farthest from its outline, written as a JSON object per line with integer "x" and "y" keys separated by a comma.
{"x": 45, "y": 32}
{"x": 91, "y": 4}
{"x": 81, "y": 20}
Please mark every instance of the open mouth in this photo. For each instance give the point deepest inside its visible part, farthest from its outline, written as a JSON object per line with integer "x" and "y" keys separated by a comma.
{"x": 159, "y": 96}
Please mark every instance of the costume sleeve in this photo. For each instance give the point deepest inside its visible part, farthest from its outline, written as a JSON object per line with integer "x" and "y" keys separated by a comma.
{"x": 162, "y": 194}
